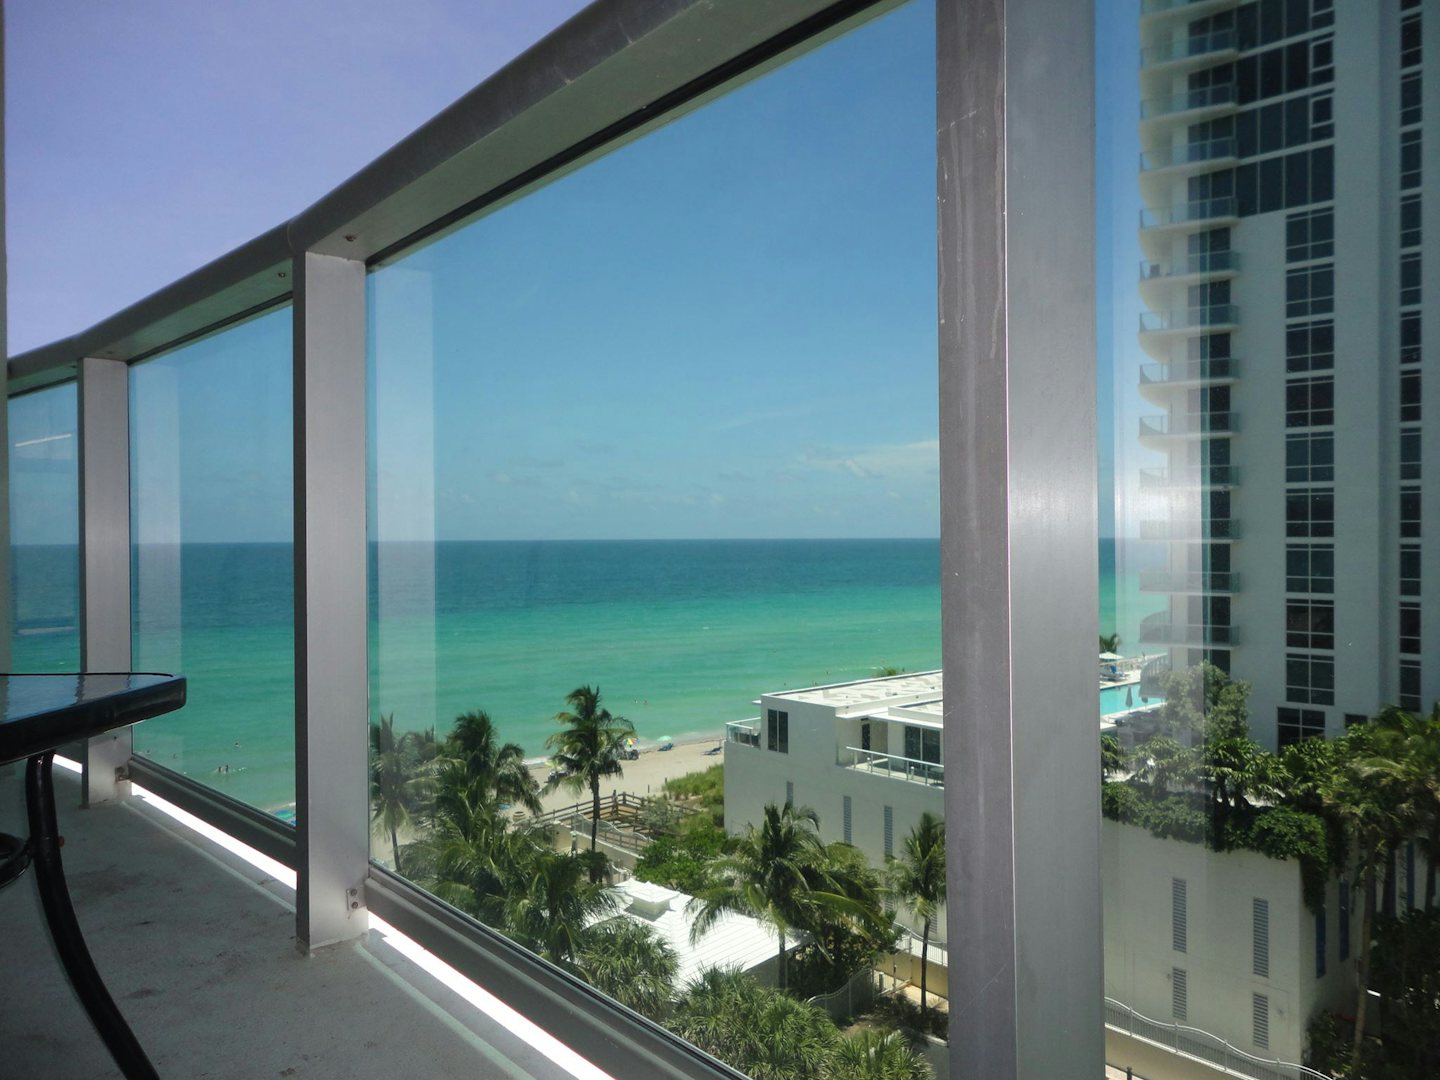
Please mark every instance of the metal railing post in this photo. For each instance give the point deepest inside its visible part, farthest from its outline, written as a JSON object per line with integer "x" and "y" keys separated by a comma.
{"x": 103, "y": 430}
{"x": 331, "y": 691}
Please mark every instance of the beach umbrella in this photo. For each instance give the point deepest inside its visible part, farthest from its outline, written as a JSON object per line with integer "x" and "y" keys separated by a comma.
{"x": 1129, "y": 696}
{"x": 1110, "y": 657}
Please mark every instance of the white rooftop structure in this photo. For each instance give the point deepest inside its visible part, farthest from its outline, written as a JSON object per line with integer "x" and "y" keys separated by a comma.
{"x": 920, "y": 693}
{"x": 734, "y": 940}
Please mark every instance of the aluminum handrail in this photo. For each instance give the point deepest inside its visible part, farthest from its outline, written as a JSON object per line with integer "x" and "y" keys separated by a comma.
{"x": 1202, "y": 1045}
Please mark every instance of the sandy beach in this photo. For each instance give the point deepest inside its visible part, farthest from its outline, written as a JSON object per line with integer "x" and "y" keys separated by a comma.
{"x": 644, "y": 776}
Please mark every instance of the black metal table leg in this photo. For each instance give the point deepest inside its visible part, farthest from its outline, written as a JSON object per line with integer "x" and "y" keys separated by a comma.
{"x": 65, "y": 931}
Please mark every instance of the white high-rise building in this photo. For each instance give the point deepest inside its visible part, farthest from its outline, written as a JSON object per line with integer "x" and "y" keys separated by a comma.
{"x": 1286, "y": 145}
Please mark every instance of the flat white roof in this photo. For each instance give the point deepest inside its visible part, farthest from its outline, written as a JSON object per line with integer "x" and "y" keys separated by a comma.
{"x": 868, "y": 694}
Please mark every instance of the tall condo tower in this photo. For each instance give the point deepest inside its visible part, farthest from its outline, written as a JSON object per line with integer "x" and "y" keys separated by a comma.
{"x": 1285, "y": 285}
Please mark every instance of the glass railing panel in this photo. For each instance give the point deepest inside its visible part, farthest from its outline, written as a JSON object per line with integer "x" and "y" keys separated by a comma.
{"x": 212, "y": 562}
{"x": 1269, "y": 831}
{"x": 654, "y": 504}
{"x": 44, "y": 531}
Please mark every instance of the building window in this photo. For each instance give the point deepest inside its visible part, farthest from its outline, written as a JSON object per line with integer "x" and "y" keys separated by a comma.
{"x": 1260, "y": 937}
{"x": 1410, "y": 171}
{"x": 1410, "y": 48}
{"x": 1410, "y": 337}
{"x": 1310, "y": 680}
{"x": 1310, "y": 513}
{"x": 1310, "y": 346}
{"x": 1310, "y": 402}
{"x": 1179, "y": 919}
{"x": 1260, "y": 1014}
{"x": 1310, "y": 624}
{"x": 1410, "y": 278}
{"x": 847, "y": 820}
{"x": 1410, "y": 455}
{"x": 789, "y": 793}
{"x": 1309, "y": 568}
{"x": 1179, "y": 995}
{"x": 1410, "y": 108}
{"x": 1409, "y": 397}
{"x": 1409, "y": 697}
{"x": 889, "y": 832}
{"x": 1322, "y": 117}
{"x": 1410, "y": 225}
{"x": 1410, "y": 512}
{"x": 1409, "y": 570}
{"x": 1310, "y": 235}
{"x": 777, "y": 731}
{"x": 1294, "y": 725}
{"x": 1311, "y": 458}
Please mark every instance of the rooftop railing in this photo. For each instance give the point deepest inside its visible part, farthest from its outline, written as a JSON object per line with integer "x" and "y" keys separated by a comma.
{"x": 897, "y": 766}
{"x": 744, "y": 732}
{"x": 1188, "y": 371}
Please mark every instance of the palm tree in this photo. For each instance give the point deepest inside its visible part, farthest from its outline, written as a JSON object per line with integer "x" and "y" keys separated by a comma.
{"x": 500, "y": 767}
{"x": 588, "y": 749}
{"x": 918, "y": 879}
{"x": 1109, "y": 643}
{"x": 1410, "y": 752}
{"x": 1236, "y": 768}
{"x": 470, "y": 857}
{"x": 784, "y": 876}
{"x": 397, "y": 782}
{"x": 1369, "y": 801}
{"x": 765, "y": 1033}
{"x": 631, "y": 963}
{"x": 550, "y": 907}
{"x": 877, "y": 1055}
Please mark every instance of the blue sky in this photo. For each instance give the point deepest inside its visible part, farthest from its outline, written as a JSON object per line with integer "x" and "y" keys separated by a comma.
{"x": 725, "y": 328}
{"x": 145, "y": 138}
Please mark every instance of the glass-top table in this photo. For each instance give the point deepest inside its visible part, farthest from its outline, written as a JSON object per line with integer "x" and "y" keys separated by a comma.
{"x": 37, "y": 714}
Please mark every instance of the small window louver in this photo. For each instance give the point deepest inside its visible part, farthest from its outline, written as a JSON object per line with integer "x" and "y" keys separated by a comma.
{"x": 1179, "y": 995}
{"x": 1260, "y": 1009}
{"x": 889, "y": 831}
{"x": 789, "y": 793}
{"x": 1179, "y": 932}
{"x": 1261, "y": 959}
{"x": 849, "y": 834}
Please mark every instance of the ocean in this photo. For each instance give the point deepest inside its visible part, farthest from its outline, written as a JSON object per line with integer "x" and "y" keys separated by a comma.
{"x": 680, "y": 636}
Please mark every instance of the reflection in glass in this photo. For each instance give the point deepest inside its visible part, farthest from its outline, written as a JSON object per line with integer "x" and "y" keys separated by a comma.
{"x": 45, "y": 531}
{"x": 654, "y": 512}
{"x": 212, "y": 562}
{"x": 1272, "y": 827}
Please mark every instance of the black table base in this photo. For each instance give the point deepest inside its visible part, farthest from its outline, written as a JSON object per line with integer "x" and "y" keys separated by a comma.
{"x": 65, "y": 931}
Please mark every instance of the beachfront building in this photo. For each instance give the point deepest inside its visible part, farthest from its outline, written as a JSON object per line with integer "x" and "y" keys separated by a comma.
{"x": 1283, "y": 295}
{"x": 865, "y": 756}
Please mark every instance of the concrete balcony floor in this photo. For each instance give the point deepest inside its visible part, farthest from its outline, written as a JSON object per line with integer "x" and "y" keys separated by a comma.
{"x": 197, "y": 949}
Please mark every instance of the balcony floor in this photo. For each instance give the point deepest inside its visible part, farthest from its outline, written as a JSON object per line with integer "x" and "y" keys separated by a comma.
{"x": 197, "y": 949}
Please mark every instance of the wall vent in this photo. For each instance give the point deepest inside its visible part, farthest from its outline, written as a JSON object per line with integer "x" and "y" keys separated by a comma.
{"x": 1179, "y": 931}
{"x": 1260, "y": 964}
{"x": 889, "y": 831}
{"x": 1260, "y": 1015}
{"x": 849, "y": 831}
{"x": 1179, "y": 995}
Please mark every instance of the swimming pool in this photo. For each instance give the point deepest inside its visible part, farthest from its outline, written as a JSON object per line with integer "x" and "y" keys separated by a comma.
{"x": 1112, "y": 698}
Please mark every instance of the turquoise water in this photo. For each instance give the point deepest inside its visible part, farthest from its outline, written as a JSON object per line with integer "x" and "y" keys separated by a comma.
{"x": 1115, "y": 699}
{"x": 680, "y": 636}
